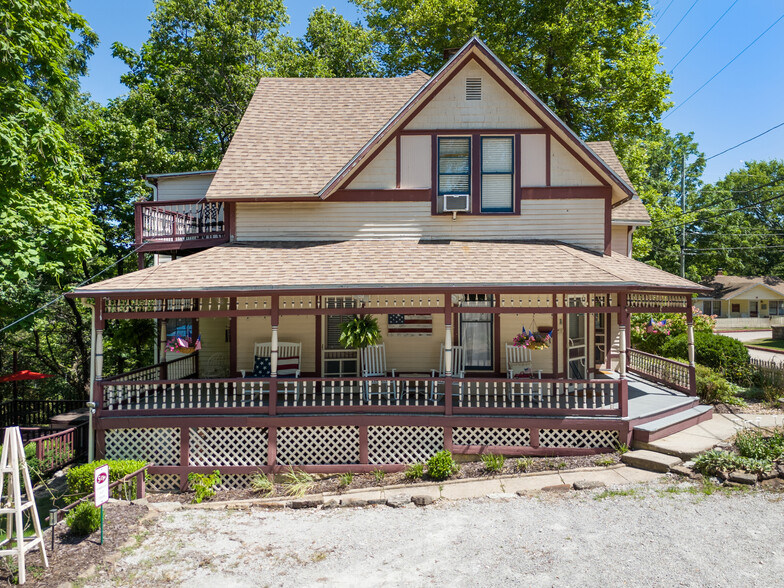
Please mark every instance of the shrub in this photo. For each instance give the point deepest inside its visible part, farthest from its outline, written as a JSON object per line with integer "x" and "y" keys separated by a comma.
{"x": 263, "y": 483}
{"x": 725, "y": 354}
{"x": 203, "y": 485}
{"x": 345, "y": 479}
{"x": 650, "y": 331}
{"x": 493, "y": 462}
{"x": 379, "y": 476}
{"x": 80, "y": 478}
{"x": 297, "y": 482}
{"x": 711, "y": 387}
{"x": 415, "y": 471}
{"x": 83, "y": 519}
{"x": 441, "y": 465}
{"x": 755, "y": 444}
{"x": 716, "y": 461}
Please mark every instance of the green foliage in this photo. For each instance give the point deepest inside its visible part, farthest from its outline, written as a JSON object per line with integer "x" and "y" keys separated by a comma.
{"x": 650, "y": 331}
{"x": 441, "y": 465}
{"x": 80, "y": 478}
{"x": 713, "y": 388}
{"x": 203, "y": 485}
{"x": 523, "y": 464}
{"x": 715, "y": 461}
{"x": 725, "y": 354}
{"x": 345, "y": 50}
{"x": 415, "y": 471}
{"x": 83, "y": 519}
{"x": 359, "y": 332}
{"x": 345, "y": 479}
{"x": 622, "y": 448}
{"x": 379, "y": 476}
{"x": 760, "y": 444}
{"x": 604, "y": 461}
{"x": 263, "y": 483}
{"x": 493, "y": 462}
{"x": 297, "y": 483}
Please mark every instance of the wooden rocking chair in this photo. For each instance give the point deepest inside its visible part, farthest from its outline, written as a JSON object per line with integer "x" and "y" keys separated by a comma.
{"x": 458, "y": 369}
{"x": 374, "y": 365}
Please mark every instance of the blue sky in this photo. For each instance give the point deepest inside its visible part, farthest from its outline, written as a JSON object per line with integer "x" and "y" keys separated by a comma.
{"x": 741, "y": 102}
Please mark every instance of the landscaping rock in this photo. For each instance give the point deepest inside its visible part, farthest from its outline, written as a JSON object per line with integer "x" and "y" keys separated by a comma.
{"x": 781, "y": 470}
{"x": 141, "y": 501}
{"x": 743, "y": 478}
{"x": 557, "y": 488}
{"x": 769, "y": 475}
{"x": 776, "y": 484}
{"x": 330, "y": 504}
{"x": 588, "y": 484}
{"x": 307, "y": 502}
{"x": 348, "y": 502}
{"x": 682, "y": 471}
{"x": 398, "y": 500}
{"x": 422, "y": 499}
{"x": 165, "y": 506}
{"x": 650, "y": 460}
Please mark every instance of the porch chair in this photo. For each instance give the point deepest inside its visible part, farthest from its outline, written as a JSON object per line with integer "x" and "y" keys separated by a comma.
{"x": 374, "y": 364}
{"x": 458, "y": 369}
{"x": 289, "y": 358}
{"x": 519, "y": 362}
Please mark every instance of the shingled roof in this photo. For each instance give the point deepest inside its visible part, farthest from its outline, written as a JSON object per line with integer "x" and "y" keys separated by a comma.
{"x": 388, "y": 263}
{"x": 730, "y": 286}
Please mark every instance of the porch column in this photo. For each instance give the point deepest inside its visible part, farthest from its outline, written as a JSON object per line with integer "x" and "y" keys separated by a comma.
{"x": 447, "y": 353}
{"x": 274, "y": 319}
{"x": 690, "y": 339}
{"x": 96, "y": 399}
{"x": 623, "y": 319}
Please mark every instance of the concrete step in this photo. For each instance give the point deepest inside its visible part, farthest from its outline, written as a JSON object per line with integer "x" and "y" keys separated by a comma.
{"x": 650, "y": 460}
{"x": 668, "y": 425}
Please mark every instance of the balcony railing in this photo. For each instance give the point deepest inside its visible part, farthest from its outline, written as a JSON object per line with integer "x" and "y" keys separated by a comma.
{"x": 177, "y": 224}
{"x": 672, "y": 373}
{"x": 468, "y": 396}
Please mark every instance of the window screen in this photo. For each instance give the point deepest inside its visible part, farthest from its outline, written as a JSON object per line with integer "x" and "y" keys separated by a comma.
{"x": 497, "y": 174}
{"x": 454, "y": 165}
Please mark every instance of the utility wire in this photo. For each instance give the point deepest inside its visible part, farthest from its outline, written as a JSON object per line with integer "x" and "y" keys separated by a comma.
{"x": 703, "y": 36}
{"x": 746, "y": 141}
{"x": 61, "y": 296}
{"x": 680, "y": 21}
{"x": 661, "y": 14}
{"x": 762, "y": 34}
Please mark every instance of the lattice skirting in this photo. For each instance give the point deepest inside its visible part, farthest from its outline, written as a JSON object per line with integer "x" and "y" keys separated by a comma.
{"x": 396, "y": 445}
{"x": 572, "y": 438}
{"x": 491, "y": 436}
{"x": 228, "y": 446}
{"x": 158, "y": 446}
{"x": 317, "y": 445}
{"x": 163, "y": 482}
{"x": 235, "y": 481}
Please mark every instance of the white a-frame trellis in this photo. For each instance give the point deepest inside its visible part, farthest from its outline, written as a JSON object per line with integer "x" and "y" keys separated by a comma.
{"x": 13, "y": 465}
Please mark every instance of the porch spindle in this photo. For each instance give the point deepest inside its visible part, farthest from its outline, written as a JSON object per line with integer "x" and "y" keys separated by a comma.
{"x": 622, "y": 354}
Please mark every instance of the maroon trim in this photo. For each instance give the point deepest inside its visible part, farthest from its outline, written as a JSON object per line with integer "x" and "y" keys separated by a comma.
{"x": 318, "y": 337}
{"x": 137, "y": 220}
{"x": 381, "y": 195}
{"x": 497, "y": 335}
{"x": 647, "y": 436}
{"x": 448, "y": 444}
{"x": 563, "y": 192}
{"x": 397, "y": 161}
{"x": 608, "y": 223}
{"x": 272, "y": 446}
{"x": 476, "y": 174}
{"x": 426, "y": 132}
{"x": 547, "y": 159}
{"x": 518, "y": 156}
{"x": 434, "y": 175}
{"x": 555, "y": 339}
{"x": 185, "y": 452}
{"x": 363, "y": 444}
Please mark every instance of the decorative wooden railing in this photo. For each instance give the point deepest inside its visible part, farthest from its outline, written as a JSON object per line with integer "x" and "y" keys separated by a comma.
{"x": 61, "y": 448}
{"x": 670, "y": 372}
{"x": 196, "y": 222}
{"x": 181, "y": 368}
{"x": 31, "y": 413}
{"x": 357, "y": 395}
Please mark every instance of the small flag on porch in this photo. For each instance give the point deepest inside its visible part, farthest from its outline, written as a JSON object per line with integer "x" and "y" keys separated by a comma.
{"x": 197, "y": 345}
{"x": 410, "y": 324}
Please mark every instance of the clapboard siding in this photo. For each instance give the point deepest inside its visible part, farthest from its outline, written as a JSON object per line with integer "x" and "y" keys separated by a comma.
{"x": 576, "y": 221}
{"x": 415, "y": 162}
{"x": 184, "y": 188}
{"x": 380, "y": 173}
{"x": 566, "y": 170}
{"x": 533, "y": 159}
{"x": 620, "y": 240}
{"x": 512, "y": 325}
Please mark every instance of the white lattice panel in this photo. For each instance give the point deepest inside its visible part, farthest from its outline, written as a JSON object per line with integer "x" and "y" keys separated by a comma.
{"x": 491, "y": 436}
{"x": 163, "y": 482}
{"x": 235, "y": 481}
{"x": 228, "y": 446}
{"x": 156, "y": 446}
{"x": 317, "y": 445}
{"x": 577, "y": 438}
{"x": 396, "y": 445}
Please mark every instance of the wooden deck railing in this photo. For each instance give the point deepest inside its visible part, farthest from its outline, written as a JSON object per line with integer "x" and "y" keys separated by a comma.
{"x": 600, "y": 397}
{"x": 672, "y": 373}
{"x": 61, "y": 448}
{"x": 196, "y": 222}
{"x": 30, "y": 413}
{"x": 176, "y": 369}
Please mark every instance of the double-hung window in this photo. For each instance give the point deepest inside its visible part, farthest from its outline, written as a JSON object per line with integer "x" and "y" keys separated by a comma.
{"x": 497, "y": 174}
{"x": 454, "y": 170}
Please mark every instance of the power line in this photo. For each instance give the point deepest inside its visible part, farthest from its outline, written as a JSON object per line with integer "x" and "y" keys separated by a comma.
{"x": 762, "y": 34}
{"x": 664, "y": 12}
{"x": 746, "y": 141}
{"x": 734, "y": 248}
{"x": 703, "y": 36}
{"x": 680, "y": 21}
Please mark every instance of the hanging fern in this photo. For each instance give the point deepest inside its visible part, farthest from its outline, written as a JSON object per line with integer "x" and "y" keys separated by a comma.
{"x": 359, "y": 332}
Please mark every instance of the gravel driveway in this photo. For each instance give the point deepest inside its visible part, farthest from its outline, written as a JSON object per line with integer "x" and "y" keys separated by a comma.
{"x": 655, "y": 537}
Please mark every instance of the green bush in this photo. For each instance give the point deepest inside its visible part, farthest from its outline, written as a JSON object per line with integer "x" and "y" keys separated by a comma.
{"x": 716, "y": 461}
{"x": 493, "y": 462}
{"x": 203, "y": 485}
{"x": 415, "y": 471}
{"x": 725, "y": 354}
{"x": 711, "y": 388}
{"x": 441, "y": 465}
{"x": 80, "y": 478}
{"x": 650, "y": 331}
{"x": 83, "y": 519}
{"x": 756, "y": 444}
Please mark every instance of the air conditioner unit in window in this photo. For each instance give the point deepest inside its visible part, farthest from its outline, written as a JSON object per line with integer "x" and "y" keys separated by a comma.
{"x": 455, "y": 202}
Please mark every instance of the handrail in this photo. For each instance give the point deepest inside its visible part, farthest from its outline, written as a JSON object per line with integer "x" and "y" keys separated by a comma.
{"x": 671, "y": 372}
{"x": 168, "y": 363}
{"x": 651, "y": 355}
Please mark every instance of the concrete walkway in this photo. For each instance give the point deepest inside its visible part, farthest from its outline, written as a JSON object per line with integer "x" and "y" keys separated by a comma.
{"x": 761, "y": 354}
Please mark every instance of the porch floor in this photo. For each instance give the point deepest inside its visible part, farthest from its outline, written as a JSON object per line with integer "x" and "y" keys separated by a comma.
{"x": 648, "y": 398}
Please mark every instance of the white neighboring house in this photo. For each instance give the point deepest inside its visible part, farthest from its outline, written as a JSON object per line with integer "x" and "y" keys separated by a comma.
{"x": 739, "y": 301}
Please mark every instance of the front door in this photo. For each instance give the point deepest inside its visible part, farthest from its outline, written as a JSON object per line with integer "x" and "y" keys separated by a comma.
{"x": 753, "y": 313}
{"x": 476, "y": 333}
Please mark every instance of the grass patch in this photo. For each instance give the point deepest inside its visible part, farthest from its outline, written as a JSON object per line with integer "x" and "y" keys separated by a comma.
{"x": 769, "y": 343}
{"x": 615, "y": 494}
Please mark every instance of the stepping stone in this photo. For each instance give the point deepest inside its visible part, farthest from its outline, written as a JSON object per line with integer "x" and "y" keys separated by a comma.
{"x": 650, "y": 460}
{"x": 588, "y": 484}
{"x": 743, "y": 478}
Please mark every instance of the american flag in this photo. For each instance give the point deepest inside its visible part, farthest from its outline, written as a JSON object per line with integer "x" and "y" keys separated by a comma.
{"x": 410, "y": 324}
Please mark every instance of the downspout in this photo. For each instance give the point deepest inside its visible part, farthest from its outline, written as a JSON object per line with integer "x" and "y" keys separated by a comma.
{"x": 91, "y": 402}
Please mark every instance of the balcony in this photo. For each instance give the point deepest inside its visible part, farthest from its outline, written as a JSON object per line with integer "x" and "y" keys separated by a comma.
{"x": 180, "y": 224}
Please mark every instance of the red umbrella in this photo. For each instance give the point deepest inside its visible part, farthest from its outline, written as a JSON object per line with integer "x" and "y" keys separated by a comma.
{"x": 24, "y": 375}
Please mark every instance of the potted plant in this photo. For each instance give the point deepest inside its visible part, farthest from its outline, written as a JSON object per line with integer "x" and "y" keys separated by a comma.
{"x": 359, "y": 332}
{"x": 533, "y": 340}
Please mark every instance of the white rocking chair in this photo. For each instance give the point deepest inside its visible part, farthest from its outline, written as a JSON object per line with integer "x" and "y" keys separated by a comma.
{"x": 458, "y": 369}
{"x": 285, "y": 349}
{"x": 519, "y": 361}
{"x": 374, "y": 364}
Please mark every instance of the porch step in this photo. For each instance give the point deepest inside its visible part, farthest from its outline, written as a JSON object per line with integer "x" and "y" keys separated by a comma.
{"x": 650, "y": 460}
{"x": 668, "y": 425}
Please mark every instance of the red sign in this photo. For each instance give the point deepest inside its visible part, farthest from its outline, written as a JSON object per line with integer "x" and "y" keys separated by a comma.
{"x": 101, "y": 485}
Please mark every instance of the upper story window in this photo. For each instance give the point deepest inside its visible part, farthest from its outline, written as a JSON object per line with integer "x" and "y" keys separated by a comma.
{"x": 454, "y": 172}
{"x": 497, "y": 173}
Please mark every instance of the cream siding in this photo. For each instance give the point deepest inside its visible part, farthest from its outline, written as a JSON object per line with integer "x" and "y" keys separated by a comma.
{"x": 533, "y": 156}
{"x": 566, "y": 170}
{"x": 620, "y": 240}
{"x": 291, "y": 329}
{"x": 449, "y": 109}
{"x": 415, "y": 162}
{"x": 413, "y": 353}
{"x": 380, "y": 173}
{"x": 758, "y": 293}
{"x": 184, "y": 187}
{"x": 214, "y": 354}
{"x": 511, "y": 325}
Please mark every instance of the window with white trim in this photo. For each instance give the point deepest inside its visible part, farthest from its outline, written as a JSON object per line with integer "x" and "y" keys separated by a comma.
{"x": 454, "y": 166}
{"x": 497, "y": 174}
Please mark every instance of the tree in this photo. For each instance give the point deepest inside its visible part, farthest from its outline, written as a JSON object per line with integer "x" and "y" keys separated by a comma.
{"x": 594, "y": 63}
{"x": 345, "y": 50}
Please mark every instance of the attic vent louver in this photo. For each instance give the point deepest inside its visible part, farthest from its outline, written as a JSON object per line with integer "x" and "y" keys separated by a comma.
{"x": 473, "y": 88}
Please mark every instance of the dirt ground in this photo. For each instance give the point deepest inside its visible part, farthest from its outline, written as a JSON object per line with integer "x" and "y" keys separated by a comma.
{"x": 73, "y": 555}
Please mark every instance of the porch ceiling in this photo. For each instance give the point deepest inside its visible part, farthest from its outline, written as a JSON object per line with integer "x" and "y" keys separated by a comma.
{"x": 254, "y": 267}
